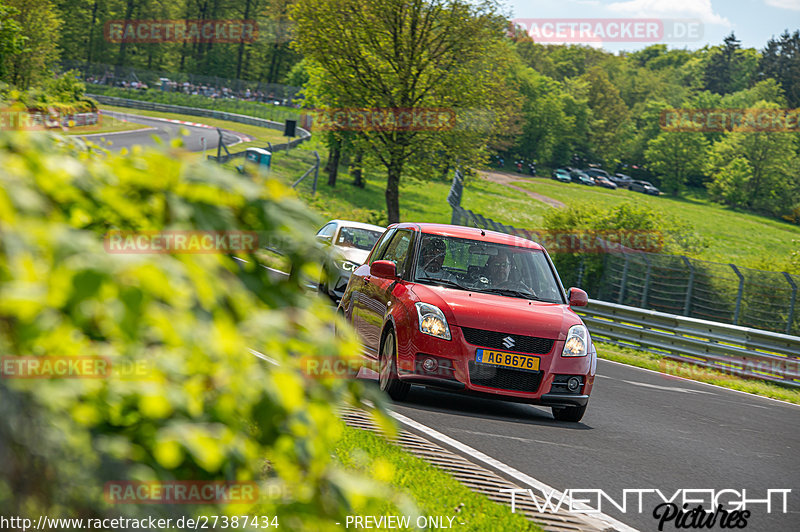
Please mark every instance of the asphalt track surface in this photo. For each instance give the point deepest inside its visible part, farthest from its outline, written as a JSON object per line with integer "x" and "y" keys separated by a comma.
{"x": 642, "y": 430}
{"x": 165, "y": 131}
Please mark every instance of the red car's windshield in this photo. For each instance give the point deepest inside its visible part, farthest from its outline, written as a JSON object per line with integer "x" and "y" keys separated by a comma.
{"x": 486, "y": 267}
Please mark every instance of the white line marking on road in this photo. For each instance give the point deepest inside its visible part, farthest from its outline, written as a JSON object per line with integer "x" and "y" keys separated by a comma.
{"x": 698, "y": 382}
{"x": 526, "y": 440}
{"x": 605, "y": 520}
{"x": 666, "y": 388}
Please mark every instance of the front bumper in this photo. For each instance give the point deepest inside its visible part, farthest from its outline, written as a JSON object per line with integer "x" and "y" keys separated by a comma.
{"x": 457, "y": 370}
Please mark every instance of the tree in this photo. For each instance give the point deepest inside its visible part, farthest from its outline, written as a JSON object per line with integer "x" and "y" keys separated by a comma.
{"x": 610, "y": 115}
{"x": 676, "y": 155}
{"x": 11, "y": 39}
{"x": 400, "y": 56}
{"x": 39, "y": 24}
{"x": 780, "y": 60}
{"x": 772, "y": 185}
{"x": 729, "y": 68}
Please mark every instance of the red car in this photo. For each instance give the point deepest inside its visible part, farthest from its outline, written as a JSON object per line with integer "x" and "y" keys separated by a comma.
{"x": 474, "y": 311}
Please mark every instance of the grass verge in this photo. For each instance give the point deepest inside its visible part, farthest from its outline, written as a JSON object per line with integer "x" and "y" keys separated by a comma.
{"x": 742, "y": 238}
{"x": 108, "y": 124}
{"x": 434, "y": 492}
{"x": 671, "y": 369}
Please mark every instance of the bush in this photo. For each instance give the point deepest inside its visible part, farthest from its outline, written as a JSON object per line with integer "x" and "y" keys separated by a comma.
{"x": 200, "y": 406}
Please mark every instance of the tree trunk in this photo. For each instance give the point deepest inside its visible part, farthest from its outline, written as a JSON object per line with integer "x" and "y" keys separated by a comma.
{"x": 393, "y": 172}
{"x": 91, "y": 36}
{"x": 356, "y": 169}
{"x": 333, "y": 161}
{"x": 123, "y": 45}
{"x": 240, "y": 53}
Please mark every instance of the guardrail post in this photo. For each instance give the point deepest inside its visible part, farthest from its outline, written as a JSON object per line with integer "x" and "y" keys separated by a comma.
{"x": 623, "y": 282}
{"x": 791, "y": 303}
{"x": 739, "y": 295}
{"x": 316, "y": 175}
{"x": 690, "y": 285}
{"x": 646, "y": 282}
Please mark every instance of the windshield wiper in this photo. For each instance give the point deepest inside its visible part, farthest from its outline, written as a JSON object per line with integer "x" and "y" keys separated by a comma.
{"x": 511, "y": 292}
{"x": 443, "y": 282}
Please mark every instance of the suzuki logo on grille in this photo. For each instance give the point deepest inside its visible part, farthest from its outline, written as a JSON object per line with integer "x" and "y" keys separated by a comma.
{"x": 508, "y": 342}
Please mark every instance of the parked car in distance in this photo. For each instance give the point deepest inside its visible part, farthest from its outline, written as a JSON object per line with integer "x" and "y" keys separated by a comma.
{"x": 562, "y": 174}
{"x": 645, "y": 187}
{"x": 605, "y": 182}
{"x": 622, "y": 180}
{"x": 351, "y": 243}
{"x": 595, "y": 172}
{"x": 580, "y": 177}
{"x": 471, "y": 311}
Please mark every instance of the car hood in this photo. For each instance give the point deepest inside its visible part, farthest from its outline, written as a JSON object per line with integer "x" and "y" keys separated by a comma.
{"x": 499, "y": 313}
{"x": 359, "y": 256}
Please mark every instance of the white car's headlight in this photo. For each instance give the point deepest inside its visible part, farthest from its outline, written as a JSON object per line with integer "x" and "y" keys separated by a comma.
{"x": 432, "y": 321}
{"x": 577, "y": 344}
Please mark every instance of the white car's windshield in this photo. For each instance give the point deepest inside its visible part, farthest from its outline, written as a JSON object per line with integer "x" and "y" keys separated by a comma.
{"x": 486, "y": 267}
{"x": 355, "y": 237}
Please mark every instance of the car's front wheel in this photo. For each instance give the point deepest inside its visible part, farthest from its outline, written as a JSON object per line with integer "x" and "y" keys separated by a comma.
{"x": 569, "y": 413}
{"x": 388, "y": 379}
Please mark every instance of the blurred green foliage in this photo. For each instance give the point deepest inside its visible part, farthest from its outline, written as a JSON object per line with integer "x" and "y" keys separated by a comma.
{"x": 200, "y": 405}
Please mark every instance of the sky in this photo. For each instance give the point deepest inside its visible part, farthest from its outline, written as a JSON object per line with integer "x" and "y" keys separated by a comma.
{"x": 704, "y": 21}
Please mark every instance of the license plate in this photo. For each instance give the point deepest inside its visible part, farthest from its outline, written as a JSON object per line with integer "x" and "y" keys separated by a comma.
{"x": 508, "y": 360}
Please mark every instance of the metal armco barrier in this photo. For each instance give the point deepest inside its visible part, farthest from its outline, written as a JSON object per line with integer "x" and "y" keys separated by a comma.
{"x": 740, "y": 351}
{"x": 207, "y": 113}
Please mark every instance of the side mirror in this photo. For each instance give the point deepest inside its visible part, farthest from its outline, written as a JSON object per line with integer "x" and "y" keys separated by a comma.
{"x": 577, "y": 297}
{"x": 385, "y": 269}
{"x": 324, "y": 239}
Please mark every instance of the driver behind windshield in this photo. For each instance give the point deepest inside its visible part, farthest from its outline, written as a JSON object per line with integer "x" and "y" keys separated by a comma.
{"x": 431, "y": 260}
{"x": 498, "y": 268}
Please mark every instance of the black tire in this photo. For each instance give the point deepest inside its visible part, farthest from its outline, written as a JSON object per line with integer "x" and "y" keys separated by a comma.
{"x": 387, "y": 365}
{"x": 572, "y": 414}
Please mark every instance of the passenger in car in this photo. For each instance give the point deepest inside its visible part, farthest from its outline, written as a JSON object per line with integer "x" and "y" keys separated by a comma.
{"x": 432, "y": 258}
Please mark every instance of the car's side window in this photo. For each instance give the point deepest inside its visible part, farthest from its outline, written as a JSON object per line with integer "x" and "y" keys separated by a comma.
{"x": 380, "y": 246}
{"x": 326, "y": 233}
{"x": 398, "y": 251}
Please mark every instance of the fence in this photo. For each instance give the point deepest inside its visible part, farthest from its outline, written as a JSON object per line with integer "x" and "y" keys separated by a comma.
{"x": 731, "y": 349}
{"x": 208, "y": 113}
{"x": 669, "y": 283}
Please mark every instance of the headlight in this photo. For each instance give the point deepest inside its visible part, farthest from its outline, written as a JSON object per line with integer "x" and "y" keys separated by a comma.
{"x": 432, "y": 321}
{"x": 348, "y": 266}
{"x": 577, "y": 344}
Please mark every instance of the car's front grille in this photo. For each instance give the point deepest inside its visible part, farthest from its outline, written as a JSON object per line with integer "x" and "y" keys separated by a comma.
{"x": 499, "y": 340}
{"x": 504, "y": 378}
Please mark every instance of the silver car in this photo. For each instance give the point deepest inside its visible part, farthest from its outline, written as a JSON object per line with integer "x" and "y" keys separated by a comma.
{"x": 351, "y": 243}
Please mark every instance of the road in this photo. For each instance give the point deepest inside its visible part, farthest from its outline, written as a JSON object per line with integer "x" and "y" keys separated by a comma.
{"x": 642, "y": 431}
{"x": 166, "y": 131}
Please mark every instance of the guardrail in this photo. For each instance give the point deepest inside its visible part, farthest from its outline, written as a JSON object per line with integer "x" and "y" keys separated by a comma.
{"x": 207, "y": 113}
{"x": 740, "y": 351}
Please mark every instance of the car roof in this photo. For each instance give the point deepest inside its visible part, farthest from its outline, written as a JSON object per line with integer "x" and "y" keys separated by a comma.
{"x": 357, "y": 225}
{"x": 472, "y": 233}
